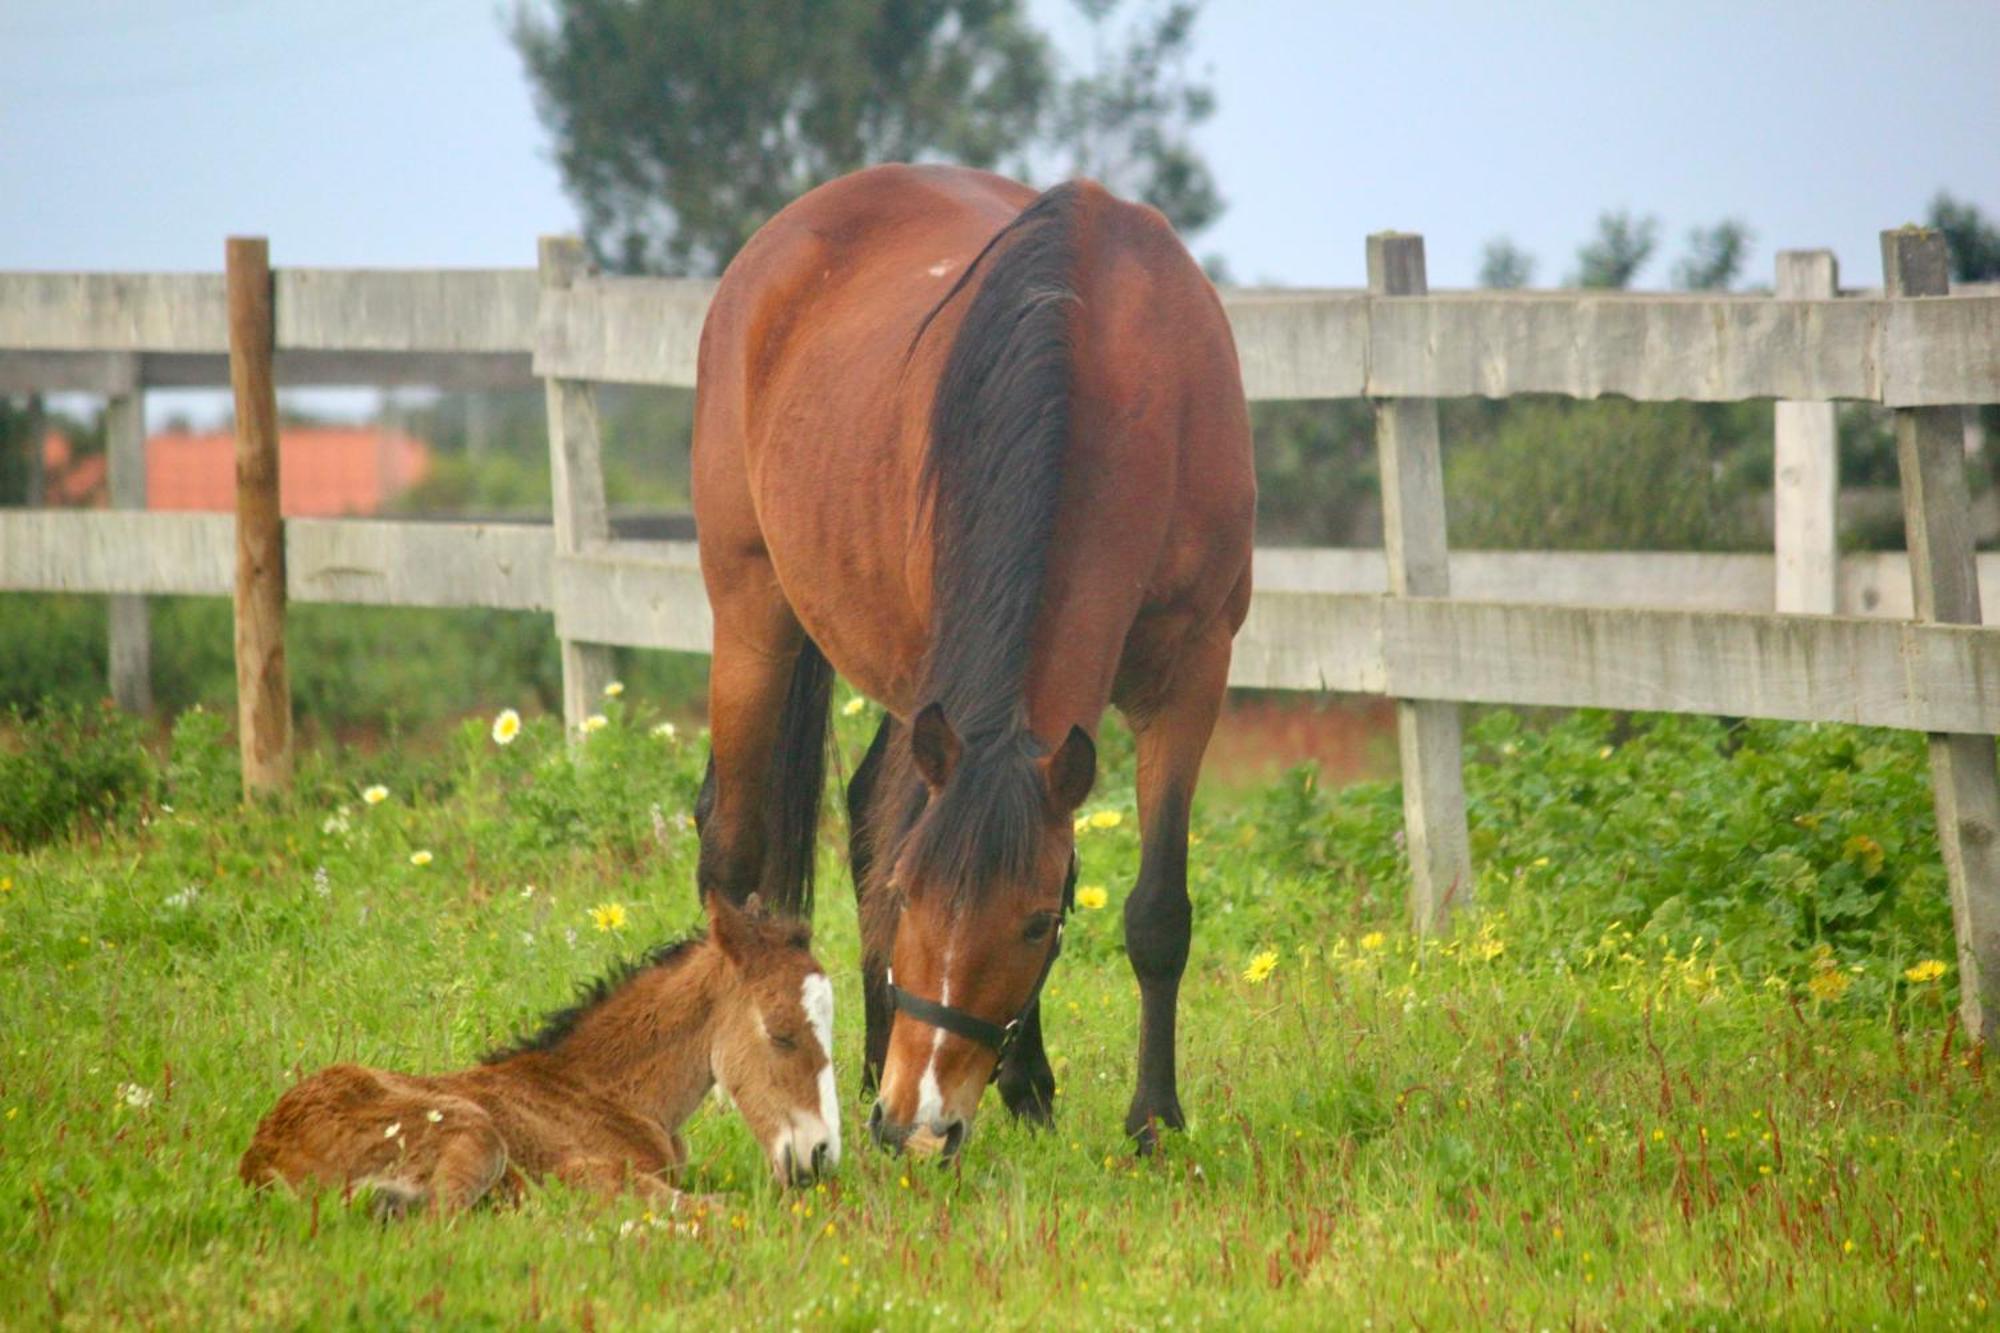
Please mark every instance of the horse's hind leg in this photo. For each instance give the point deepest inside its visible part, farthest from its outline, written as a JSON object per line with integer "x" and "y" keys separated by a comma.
{"x": 861, "y": 861}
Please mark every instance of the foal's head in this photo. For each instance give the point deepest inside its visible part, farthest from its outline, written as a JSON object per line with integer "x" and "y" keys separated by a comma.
{"x": 979, "y": 886}
{"x": 772, "y": 1045}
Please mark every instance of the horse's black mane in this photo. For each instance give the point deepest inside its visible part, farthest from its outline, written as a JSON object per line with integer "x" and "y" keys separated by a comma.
{"x": 558, "y": 1026}
{"x": 1000, "y": 427}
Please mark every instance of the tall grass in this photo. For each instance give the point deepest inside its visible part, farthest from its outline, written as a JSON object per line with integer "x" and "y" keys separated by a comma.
{"x": 1624, "y": 1093}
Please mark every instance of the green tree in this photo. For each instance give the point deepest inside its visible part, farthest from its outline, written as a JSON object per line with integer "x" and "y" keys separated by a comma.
{"x": 1714, "y": 258}
{"x": 1620, "y": 249}
{"x": 1504, "y": 265}
{"x": 1974, "y": 242}
{"x": 1128, "y": 123}
{"x": 681, "y": 125}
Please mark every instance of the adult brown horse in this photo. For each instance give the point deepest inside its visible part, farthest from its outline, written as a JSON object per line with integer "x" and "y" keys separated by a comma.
{"x": 986, "y": 453}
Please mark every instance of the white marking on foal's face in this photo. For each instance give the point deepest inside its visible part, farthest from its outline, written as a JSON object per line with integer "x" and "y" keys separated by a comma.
{"x": 816, "y": 998}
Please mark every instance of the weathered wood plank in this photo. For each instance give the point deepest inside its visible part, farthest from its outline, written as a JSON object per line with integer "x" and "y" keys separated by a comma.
{"x": 373, "y": 563}
{"x": 263, "y": 686}
{"x": 1413, "y": 526}
{"x": 1944, "y": 578}
{"x": 624, "y": 330}
{"x": 1880, "y": 673}
{"x": 130, "y": 639}
{"x": 1705, "y": 349}
{"x": 576, "y": 473}
{"x": 100, "y": 551}
{"x": 108, "y": 372}
{"x": 1806, "y": 467}
{"x": 1300, "y": 344}
{"x": 113, "y": 312}
{"x": 612, "y": 594}
{"x": 427, "y": 310}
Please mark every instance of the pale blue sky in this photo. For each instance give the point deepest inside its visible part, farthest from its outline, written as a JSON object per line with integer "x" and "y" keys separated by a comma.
{"x": 137, "y": 133}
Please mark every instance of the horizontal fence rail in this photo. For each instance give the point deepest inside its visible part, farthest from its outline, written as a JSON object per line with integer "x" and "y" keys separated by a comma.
{"x": 63, "y": 331}
{"x": 1702, "y": 633}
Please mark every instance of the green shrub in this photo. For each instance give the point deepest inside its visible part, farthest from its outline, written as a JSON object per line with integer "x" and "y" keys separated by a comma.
{"x": 1607, "y": 475}
{"x": 67, "y": 769}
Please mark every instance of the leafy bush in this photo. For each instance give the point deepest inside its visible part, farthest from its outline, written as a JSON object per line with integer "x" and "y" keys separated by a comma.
{"x": 66, "y": 769}
{"x": 1779, "y": 846}
{"x": 1608, "y": 475}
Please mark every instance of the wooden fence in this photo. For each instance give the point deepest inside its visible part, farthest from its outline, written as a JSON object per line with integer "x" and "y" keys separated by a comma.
{"x": 1882, "y": 640}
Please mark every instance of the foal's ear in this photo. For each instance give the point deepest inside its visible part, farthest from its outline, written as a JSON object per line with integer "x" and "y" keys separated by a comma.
{"x": 730, "y": 928}
{"x": 935, "y": 745}
{"x": 1072, "y": 771}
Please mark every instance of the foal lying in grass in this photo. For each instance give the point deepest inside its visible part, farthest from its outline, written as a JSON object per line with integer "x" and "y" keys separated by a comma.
{"x": 598, "y": 1096}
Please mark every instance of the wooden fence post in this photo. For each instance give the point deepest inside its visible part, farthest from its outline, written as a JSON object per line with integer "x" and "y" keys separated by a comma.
{"x": 1937, "y": 514}
{"x": 130, "y": 626}
{"x": 1805, "y": 473}
{"x": 1413, "y": 530}
{"x": 263, "y": 690}
{"x": 576, "y": 484}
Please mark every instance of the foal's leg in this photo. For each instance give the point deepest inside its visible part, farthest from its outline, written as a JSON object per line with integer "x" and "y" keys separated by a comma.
{"x": 861, "y": 862}
{"x": 1172, "y": 735}
{"x": 757, "y": 643}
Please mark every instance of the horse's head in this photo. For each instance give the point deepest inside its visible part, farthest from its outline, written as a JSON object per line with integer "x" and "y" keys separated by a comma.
{"x": 981, "y": 881}
{"x": 772, "y": 1051}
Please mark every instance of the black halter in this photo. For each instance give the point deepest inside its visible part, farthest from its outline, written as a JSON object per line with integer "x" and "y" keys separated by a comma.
{"x": 997, "y": 1037}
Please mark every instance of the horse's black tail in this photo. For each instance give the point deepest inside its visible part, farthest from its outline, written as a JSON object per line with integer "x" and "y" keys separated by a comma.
{"x": 796, "y": 784}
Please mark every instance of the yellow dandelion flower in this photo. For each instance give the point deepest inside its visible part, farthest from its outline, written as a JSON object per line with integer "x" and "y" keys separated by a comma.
{"x": 421, "y": 857}
{"x": 506, "y": 727}
{"x": 614, "y": 688}
{"x": 1091, "y": 897}
{"x": 853, "y": 707}
{"x": 1865, "y": 851}
{"x": 1082, "y": 824}
{"x": 1829, "y": 984}
{"x": 1262, "y": 965}
{"x": 375, "y": 795}
{"x": 1604, "y": 753}
{"x": 1106, "y": 819}
{"x": 1539, "y": 862}
{"x": 595, "y": 722}
{"x": 608, "y": 916}
{"x": 1928, "y": 970}
{"x": 1372, "y": 941}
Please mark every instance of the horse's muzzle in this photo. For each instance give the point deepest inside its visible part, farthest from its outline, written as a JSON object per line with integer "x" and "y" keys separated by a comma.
{"x": 944, "y": 1138}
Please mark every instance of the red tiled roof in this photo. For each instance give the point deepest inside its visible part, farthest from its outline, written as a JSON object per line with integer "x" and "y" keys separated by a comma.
{"x": 323, "y": 470}
{"x": 69, "y": 482}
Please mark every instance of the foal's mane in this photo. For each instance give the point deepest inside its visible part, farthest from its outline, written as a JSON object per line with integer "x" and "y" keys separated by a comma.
{"x": 992, "y": 478}
{"x": 558, "y": 1026}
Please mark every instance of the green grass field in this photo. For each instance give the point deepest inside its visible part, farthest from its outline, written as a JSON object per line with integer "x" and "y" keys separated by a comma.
{"x": 1689, "y": 1065}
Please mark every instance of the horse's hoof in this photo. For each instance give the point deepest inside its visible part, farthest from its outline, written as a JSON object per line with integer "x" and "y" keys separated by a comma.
{"x": 1032, "y": 1106}
{"x": 1143, "y": 1128}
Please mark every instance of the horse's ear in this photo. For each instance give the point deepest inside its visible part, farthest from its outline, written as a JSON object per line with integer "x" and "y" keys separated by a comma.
{"x": 935, "y": 745}
{"x": 730, "y": 928}
{"x": 753, "y": 907}
{"x": 1072, "y": 771}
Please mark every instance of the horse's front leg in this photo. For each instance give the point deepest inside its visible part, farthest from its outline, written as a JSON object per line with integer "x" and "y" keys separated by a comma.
{"x": 1027, "y": 1084}
{"x": 1172, "y": 736}
{"x": 862, "y": 796}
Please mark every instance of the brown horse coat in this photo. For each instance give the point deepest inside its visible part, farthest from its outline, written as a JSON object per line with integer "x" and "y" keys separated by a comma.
{"x": 1089, "y": 450}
